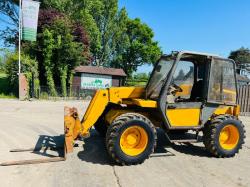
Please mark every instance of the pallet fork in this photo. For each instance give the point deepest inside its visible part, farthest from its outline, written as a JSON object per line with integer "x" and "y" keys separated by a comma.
{"x": 72, "y": 126}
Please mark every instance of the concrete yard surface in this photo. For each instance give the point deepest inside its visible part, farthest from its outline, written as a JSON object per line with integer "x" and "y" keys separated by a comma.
{"x": 24, "y": 124}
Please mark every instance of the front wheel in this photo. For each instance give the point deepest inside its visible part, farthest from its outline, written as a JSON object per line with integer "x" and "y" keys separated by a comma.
{"x": 224, "y": 136}
{"x": 130, "y": 139}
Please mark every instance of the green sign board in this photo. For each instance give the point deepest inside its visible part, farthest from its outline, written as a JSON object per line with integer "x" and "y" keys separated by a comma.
{"x": 95, "y": 81}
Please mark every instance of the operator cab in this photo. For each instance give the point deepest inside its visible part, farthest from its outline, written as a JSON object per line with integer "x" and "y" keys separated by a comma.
{"x": 190, "y": 84}
{"x": 189, "y": 79}
{"x": 188, "y": 74}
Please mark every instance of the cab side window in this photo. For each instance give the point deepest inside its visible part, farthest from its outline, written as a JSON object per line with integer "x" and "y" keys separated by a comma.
{"x": 184, "y": 78}
{"x": 222, "y": 87}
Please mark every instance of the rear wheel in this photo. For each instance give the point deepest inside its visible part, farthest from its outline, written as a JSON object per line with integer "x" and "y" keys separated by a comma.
{"x": 224, "y": 136}
{"x": 130, "y": 139}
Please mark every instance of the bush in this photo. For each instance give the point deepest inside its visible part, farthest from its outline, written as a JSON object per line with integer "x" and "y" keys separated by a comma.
{"x": 3, "y": 96}
{"x": 44, "y": 95}
{"x": 28, "y": 66}
{"x": 4, "y": 86}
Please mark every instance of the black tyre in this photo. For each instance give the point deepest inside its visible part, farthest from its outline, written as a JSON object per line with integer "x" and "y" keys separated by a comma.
{"x": 101, "y": 127}
{"x": 130, "y": 139}
{"x": 224, "y": 136}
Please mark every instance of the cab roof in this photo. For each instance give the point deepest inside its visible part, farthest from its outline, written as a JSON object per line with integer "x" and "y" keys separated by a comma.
{"x": 194, "y": 53}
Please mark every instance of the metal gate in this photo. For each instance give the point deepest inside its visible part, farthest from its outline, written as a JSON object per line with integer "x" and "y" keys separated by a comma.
{"x": 244, "y": 99}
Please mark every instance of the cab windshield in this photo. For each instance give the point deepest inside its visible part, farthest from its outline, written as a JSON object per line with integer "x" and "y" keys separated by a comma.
{"x": 158, "y": 76}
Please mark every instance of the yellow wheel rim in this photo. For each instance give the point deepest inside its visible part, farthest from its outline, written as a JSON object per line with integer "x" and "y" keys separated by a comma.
{"x": 229, "y": 137}
{"x": 133, "y": 141}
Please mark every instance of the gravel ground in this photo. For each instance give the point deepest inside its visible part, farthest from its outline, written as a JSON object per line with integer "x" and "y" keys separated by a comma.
{"x": 25, "y": 124}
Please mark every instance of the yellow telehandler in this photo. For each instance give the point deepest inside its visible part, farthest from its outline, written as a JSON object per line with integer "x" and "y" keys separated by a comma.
{"x": 186, "y": 91}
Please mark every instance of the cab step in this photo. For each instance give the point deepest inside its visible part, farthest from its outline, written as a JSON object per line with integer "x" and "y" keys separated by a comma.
{"x": 185, "y": 141}
{"x": 184, "y": 138}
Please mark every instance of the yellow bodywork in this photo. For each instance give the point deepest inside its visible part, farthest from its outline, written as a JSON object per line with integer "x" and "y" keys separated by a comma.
{"x": 101, "y": 100}
{"x": 191, "y": 116}
{"x": 132, "y": 96}
{"x": 72, "y": 127}
{"x": 232, "y": 110}
{"x": 229, "y": 137}
{"x": 134, "y": 140}
{"x": 95, "y": 110}
{"x": 184, "y": 116}
{"x": 141, "y": 102}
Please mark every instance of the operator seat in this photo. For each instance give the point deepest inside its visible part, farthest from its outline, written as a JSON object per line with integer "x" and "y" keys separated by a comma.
{"x": 197, "y": 91}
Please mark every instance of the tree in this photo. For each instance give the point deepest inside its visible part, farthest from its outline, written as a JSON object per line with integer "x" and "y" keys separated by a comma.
{"x": 29, "y": 67}
{"x": 47, "y": 49}
{"x": 67, "y": 52}
{"x": 9, "y": 16}
{"x": 95, "y": 31}
{"x": 141, "y": 77}
{"x": 76, "y": 34}
{"x": 241, "y": 56}
{"x": 115, "y": 40}
{"x": 82, "y": 12}
{"x": 1, "y": 64}
{"x": 62, "y": 44}
{"x": 107, "y": 23}
{"x": 98, "y": 17}
{"x": 135, "y": 46}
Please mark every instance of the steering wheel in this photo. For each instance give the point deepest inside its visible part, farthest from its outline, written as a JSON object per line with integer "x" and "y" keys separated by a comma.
{"x": 178, "y": 88}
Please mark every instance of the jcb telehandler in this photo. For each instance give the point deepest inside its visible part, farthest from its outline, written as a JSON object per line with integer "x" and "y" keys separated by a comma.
{"x": 186, "y": 91}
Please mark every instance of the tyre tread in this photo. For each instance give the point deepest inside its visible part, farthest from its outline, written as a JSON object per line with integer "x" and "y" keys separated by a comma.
{"x": 112, "y": 135}
{"x": 209, "y": 138}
